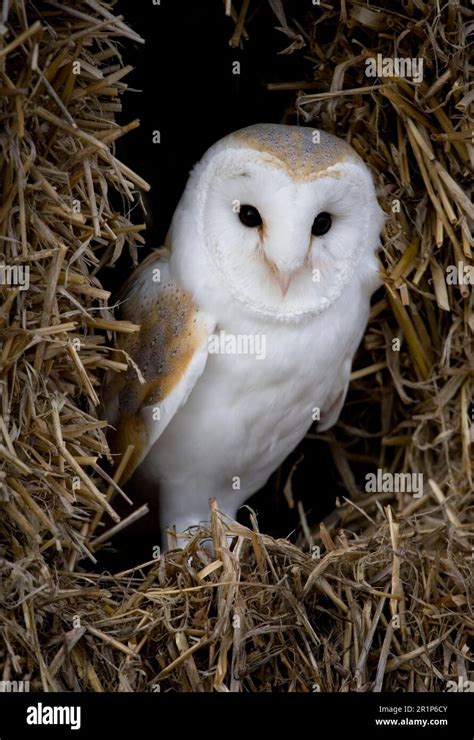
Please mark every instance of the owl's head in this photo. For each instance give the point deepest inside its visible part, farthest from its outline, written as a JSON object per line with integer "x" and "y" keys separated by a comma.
{"x": 280, "y": 219}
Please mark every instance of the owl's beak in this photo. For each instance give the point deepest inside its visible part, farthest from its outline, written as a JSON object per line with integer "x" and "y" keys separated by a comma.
{"x": 284, "y": 279}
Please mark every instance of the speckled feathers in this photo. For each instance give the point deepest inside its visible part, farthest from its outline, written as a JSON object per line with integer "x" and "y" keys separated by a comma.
{"x": 303, "y": 152}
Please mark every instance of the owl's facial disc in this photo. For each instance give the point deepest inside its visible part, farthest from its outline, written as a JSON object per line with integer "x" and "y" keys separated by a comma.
{"x": 286, "y": 246}
{"x": 249, "y": 216}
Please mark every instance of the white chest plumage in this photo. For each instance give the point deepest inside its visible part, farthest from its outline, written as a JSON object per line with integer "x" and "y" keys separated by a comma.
{"x": 245, "y": 415}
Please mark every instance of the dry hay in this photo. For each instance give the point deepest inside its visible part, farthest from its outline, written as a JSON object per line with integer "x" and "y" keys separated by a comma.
{"x": 388, "y": 604}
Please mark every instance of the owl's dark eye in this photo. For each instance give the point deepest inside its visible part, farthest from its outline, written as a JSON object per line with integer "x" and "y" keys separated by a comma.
{"x": 321, "y": 224}
{"x": 249, "y": 216}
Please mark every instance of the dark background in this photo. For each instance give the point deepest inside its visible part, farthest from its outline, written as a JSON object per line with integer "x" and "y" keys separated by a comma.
{"x": 186, "y": 90}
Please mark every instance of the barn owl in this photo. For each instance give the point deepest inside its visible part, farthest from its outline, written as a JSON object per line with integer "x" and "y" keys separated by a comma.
{"x": 250, "y": 317}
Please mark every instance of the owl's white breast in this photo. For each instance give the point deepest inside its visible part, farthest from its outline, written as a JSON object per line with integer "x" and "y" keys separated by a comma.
{"x": 245, "y": 415}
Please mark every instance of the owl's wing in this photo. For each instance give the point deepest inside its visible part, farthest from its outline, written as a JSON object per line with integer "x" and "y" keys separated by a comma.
{"x": 170, "y": 351}
{"x": 335, "y": 402}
